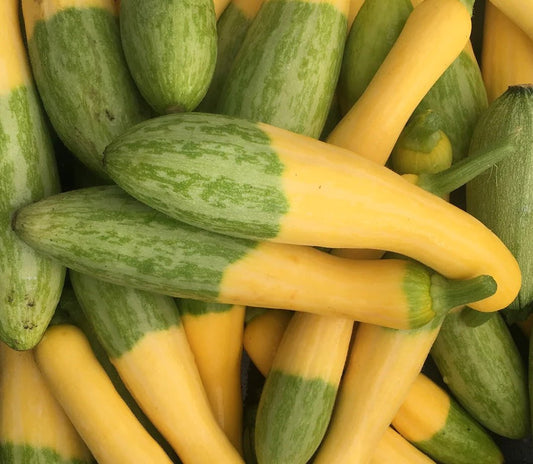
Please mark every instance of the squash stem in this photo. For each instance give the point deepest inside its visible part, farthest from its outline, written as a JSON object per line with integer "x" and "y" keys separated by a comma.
{"x": 444, "y": 182}
{"x": 447, "y": 294}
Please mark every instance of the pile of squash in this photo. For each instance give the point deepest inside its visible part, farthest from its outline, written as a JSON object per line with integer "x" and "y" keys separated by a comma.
{"x": 266, "y": 231}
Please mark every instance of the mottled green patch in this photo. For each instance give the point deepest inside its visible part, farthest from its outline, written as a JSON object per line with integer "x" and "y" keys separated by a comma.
{"x": 287, "y": 68}
{"x": 29, "y": 283}
{"x": 171, "y": 50}
{"x": 373, "y": 33}
{"x": 122, "y": 316}
{"x": 292, "y": 418}
{"x": 208, "y": 170}
{"x": 484, "y": 370}
{"x": 459, "y": 97}
{"x": 11, "y": 453}
{"x": 416, "y": 286}
{"x": 461, "y": 441}
{"x": 83, "y": 80}
{"x": 104, "y": 232}
{"x": 199, "y": 308}
{"x": 231, "y": 29}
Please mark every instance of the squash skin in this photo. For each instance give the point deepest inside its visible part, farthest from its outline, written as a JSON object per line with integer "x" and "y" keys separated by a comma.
{"x": 171, "y": 50}
{"x": 287, "y": 67}
{"x": 492, "y": 386}
{"x": 184, "y": 166}
{"x": 215, "y": 334}
{"x": 79, "y": 383}
{"x": 501, "y": 196}
{"x": 89, "y": 98}
{"x": 146, "y": 342}
{"x": 506, "y": 54}
{"x": 33, "y": 427}
{"x": 30, "y": 285}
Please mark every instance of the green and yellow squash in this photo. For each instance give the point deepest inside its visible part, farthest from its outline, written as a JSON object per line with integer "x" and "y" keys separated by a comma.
{"x": 149, "y": 250}
{"x": 146, "y": 342}
{"x": 257, "y": 181}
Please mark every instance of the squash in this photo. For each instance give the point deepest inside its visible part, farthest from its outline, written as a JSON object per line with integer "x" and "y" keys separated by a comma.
{"x": 30, "y": 285}
{"x": 257, "y": 181}
{"x": 145, "y": 340}
{"x": 33, "y": 426}
{"x": 85, "y": 227}
{"x": 88, "y": 397}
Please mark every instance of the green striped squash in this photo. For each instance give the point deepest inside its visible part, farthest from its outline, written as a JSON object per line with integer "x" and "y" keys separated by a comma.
{"x": 501, "y": 198}
{"x": 81, "y": 74}
{"x": 30, "y": 284}
{"x": 300, "y": 389}
{"x": 104, "y": 232}
{"x": 287, "y": 67}
{"x": 482, "y": 367}
{"x": 231, "y": 30}
{"x": 171, "y": 50}
{"x": 373, "y": 33}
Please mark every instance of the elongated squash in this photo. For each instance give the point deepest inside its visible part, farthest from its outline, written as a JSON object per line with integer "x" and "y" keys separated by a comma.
{"x": 171, "y": 49}
{"x": 215, "y": 267}
{"x": 376, "y": 27}
{"x": 368, "y": 398}
{"x": 89, "y": 399}
{"x": 287, "y": 67}
{"x": 215, "y": 335}
{"x": 433, "y": 36}
{"x": 290, "y": 188}
{"x": 33, "y": 427}
{"x": 69, "y": 310}
{"x": 300, "y": 388}
{"x": 501, "y": 196}
{"x": 231, "y": 30}
{"x": 506, "y": 54}
{"x": 145, "y": 340}
{"x": 30, "y": 284}
{"x": 81, "y": 74}
{"x": 492, "y": 385}
{"x": 436, "y": 424}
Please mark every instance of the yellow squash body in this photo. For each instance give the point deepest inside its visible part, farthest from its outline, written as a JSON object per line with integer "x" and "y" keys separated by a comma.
{"x": 433, "y": 36}
{"x": 161, "y": 373}
{"x": 394, "y": 449}
{"x": 29, "y": 413}
{"x": 506, "y": 55}
{"x": 216, "y": 340}
{"x": 81, "y": 386}
{"x": 262, "y": 336}
{"x": 519, "y": 11}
